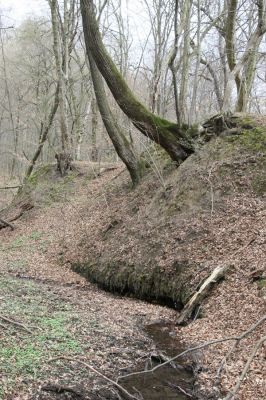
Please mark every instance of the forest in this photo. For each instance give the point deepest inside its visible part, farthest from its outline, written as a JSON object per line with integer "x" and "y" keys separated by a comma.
{"x": 132, "y": 199}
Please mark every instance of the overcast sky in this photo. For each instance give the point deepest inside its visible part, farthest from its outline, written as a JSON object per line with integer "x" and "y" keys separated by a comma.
{"x": 17, "y": 10}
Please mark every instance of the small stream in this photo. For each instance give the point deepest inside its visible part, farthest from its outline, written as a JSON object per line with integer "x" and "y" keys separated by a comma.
{"x": 168, "y": 382}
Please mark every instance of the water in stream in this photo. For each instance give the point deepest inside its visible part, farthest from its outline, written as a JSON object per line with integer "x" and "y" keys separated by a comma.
{"x": 167, "y": 382}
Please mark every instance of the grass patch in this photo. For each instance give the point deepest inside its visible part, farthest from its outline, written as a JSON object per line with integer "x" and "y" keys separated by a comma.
{"x": 35, "y": 239}
{"x": 252, "y": 140}
{"x": 55, "y": 331}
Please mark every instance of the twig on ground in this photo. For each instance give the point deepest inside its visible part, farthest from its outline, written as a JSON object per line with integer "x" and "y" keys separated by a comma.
{"x": 123, "y": 390}
{"x": 54, "y": 387}
{"x": 190, "y": 350}
{"x": 233, "y": 392}
{"x": 6, "y": 223}
{"x": 3, "y": 326}
{"x": 11, "y": 321}
{"x": 10, "y": 187}
{"x": 172, "y": 385}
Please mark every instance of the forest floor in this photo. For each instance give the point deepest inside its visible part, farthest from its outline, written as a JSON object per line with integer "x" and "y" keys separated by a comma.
{"x": 100, "y": 218}
{"x": 61, "y": 315}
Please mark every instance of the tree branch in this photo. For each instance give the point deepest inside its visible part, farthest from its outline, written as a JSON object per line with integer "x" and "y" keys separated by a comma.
{"x": 232, "y": 394}
{"x": 123, "y": 390}
{"x": 207, "y": 344}
{"x": 11, "y": 321}
{"x": 5, "y": 223}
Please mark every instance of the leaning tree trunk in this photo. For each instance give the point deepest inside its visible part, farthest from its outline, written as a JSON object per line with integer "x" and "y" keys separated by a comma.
{"x": 44, "y": 134}
{"x": 122, "y": 145}
{"x": 167, "y": 134}
{"x": 94, "y": 127}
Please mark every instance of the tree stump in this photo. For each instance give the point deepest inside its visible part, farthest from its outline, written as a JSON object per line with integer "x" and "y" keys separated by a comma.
{"x": 64, "y": 163}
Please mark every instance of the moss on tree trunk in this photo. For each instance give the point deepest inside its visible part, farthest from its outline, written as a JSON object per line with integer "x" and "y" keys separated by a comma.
{"x": 167, "y": 134}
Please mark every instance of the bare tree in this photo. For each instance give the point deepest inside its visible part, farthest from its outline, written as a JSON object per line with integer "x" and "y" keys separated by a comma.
{"x": 246, "y": 63}
{"x": 163, "y": 132}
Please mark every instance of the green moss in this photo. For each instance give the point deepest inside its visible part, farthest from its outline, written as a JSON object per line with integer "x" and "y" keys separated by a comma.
{"x": 259, "y": 184}
{"x": 253, "y": 140}
{"x": 262, "y": 283}
{"x": 147, "y": 283}
{"x": 245, "y": 122}
{"x": 38, "y": 174}
{"x": 25, "y": 355}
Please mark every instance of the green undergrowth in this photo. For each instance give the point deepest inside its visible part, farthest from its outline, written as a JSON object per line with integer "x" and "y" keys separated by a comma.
{"x": 251, "y": 140}
{"x": 35, "y": 240}
{"x": 24, "y": 356}
{"x": 46, "y": 186}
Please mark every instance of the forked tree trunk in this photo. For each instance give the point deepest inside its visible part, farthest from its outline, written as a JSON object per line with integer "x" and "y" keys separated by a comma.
{"x": 248, "y": 58}
{"x": 167, "y": 134}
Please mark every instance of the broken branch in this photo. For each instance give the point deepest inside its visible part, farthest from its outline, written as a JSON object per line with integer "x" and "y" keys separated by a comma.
{"x": 10, "y": 187}
{"x": 11, "y": 321}
{"x": 197, "y": 298}
{"x": 123, "y": 390}
{"x": 232, "y": 394}
{"x": 5, "y": 223}
{"x": 199, "y": 347}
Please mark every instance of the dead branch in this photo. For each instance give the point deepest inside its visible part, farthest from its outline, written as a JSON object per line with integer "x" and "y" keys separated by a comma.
{"x": 196, "y": 299}
{"x": 53, "y": 387}
{"x": 123, "y": 390}
{"x": 190, "y": 350}
{"x": 10, "y": 187}
{"x": 172, "y": 385}
{"x": 217, "y": 274}
{"x": 199, "y": 347}
{"x": 232, "y": 393}
{"x": 11, "y": 321}
{"x": 6, "y": 223}
{"x": 246, "y": 333}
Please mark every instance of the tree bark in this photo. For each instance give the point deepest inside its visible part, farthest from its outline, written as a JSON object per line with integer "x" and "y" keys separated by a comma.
{"x": 167, "y": 134}
{"x": 118, "y": 138}
{"x": 198, "y": 297}
{"x": 44, "y": 133}
{"x": 94, "y": 126}
{"x": 248, "y": 58}
{"x": 59, "y": 53}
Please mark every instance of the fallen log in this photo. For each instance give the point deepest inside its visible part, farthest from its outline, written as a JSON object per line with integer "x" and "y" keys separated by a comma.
{"x": 196, "y": 299}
